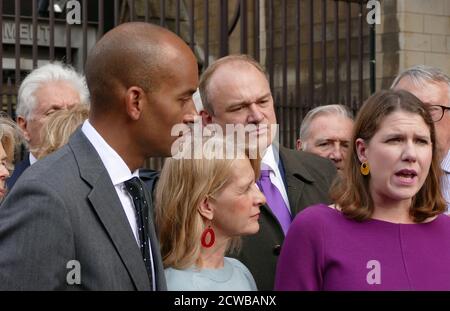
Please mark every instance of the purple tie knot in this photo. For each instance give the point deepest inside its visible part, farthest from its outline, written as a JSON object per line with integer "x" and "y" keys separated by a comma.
{"x": 265, "y": 174}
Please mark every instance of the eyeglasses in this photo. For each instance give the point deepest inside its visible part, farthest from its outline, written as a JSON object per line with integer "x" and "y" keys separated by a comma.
{"x": 437, "y": 112}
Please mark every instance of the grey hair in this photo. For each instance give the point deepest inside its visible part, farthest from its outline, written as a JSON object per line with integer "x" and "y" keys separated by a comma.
{"x": 26, "y": 100}
{"x": 422, "y": 74}
{"x": 320, "y": 111}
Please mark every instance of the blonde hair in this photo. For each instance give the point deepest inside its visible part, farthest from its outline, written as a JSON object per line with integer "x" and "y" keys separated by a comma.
{"x": 184, "y": 183}
{"x": 10, "y": 137}
{"x": 59, "y": 126}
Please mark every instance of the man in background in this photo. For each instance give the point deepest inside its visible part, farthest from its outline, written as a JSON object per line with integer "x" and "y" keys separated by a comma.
{"x": 235, "y": 90}
{"x": 45, "y": 90}
{"x": 432, "y": 87}
{"x": 327, "y": 131}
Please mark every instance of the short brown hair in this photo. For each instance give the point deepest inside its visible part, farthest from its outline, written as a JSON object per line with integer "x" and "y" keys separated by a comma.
{"x": 352, "y": 193}
{"x": 209, "y": 72}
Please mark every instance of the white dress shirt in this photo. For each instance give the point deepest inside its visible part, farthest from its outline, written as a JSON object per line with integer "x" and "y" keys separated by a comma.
{"x": 270, "y": 162}
{"x": 119, "y": 172}
{"x": 32, "y": 159}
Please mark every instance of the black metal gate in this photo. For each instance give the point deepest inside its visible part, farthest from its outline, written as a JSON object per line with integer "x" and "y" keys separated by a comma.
{"x": 316, "y": 51}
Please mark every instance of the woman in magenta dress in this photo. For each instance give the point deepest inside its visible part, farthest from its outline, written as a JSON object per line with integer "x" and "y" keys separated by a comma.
{"x": 386, "y": 230}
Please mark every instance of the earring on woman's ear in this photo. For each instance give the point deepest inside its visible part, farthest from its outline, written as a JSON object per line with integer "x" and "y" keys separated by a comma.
{"x": 212, "y": 237}
{"x": 365, "y": 168}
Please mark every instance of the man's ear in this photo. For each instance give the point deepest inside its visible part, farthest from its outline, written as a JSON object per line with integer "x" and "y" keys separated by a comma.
{"x": 22, "y": 122}
{"x": 135, "y": 100}
{"x": 299, "y": 144}
{"x": 206, "y": 117}
{"x": 206, "y": 209}
{"x": 361, "y": 149}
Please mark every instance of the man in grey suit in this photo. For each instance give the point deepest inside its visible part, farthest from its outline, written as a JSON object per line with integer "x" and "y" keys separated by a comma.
{"x": 69, "y": 222}
{"x": 235, "y": 90}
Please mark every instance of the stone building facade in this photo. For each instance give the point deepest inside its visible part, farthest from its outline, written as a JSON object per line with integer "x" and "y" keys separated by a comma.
{"x": 412, "y": 32}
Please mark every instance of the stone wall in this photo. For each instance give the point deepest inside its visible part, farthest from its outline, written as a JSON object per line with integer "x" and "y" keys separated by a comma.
{"x": 412, "y": 32}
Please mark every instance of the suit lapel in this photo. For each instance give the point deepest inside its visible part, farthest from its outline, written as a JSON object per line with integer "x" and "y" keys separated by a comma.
{"x": 107, "y": 206}
{"x": 296, "y": 176}
{"x": 294, "y": 192}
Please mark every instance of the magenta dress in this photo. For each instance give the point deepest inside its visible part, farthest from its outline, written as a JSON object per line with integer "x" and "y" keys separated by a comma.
{"x": 324, "y": 250}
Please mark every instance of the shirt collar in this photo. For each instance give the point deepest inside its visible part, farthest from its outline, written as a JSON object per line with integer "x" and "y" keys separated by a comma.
{"x": 269, "y": 161}
{"x": 32, "y": 159}
{"x": 115, "y": 166}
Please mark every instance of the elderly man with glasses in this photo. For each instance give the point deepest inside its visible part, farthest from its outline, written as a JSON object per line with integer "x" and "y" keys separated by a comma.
{"x": 432, "y": 87}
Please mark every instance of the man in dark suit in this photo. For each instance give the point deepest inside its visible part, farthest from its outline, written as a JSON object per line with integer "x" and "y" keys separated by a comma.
{"x": 235, "y": 90}
{"x": 45, "y": 90}
{"x": 19, "y": 168}
{"x": 70, "y": 221}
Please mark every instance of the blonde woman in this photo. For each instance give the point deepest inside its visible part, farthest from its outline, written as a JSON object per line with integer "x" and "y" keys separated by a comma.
{"x": 9, "y": 138}
{"x": 202, "y": 207}
{"x": 59, "y": 126}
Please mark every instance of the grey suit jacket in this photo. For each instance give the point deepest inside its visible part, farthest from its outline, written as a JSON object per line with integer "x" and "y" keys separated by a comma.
{"x": 308, "y": 178}
{"x": 65, "y": 208}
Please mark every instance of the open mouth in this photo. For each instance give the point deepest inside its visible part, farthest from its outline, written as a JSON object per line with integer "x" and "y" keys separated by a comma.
{"x": 406, "y": 175}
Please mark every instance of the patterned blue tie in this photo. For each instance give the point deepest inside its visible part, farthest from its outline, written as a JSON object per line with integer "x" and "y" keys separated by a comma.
{"x": 136, "y": 189}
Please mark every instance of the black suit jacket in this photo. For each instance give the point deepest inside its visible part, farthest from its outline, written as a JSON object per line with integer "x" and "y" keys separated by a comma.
{"x": 65, "y": 208}
{"x": 308, "y": 178}
{"x": 18, "y": 170}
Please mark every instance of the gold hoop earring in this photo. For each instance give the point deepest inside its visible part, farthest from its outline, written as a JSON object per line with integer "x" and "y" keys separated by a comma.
{"x": 365, "y": 168}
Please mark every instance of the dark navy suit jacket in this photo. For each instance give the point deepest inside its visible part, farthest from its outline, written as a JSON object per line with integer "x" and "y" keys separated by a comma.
{"x": 18, "y": 170}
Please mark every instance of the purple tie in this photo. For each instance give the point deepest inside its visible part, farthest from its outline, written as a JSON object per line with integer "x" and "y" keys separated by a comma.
{"x": 275, "y": 200}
